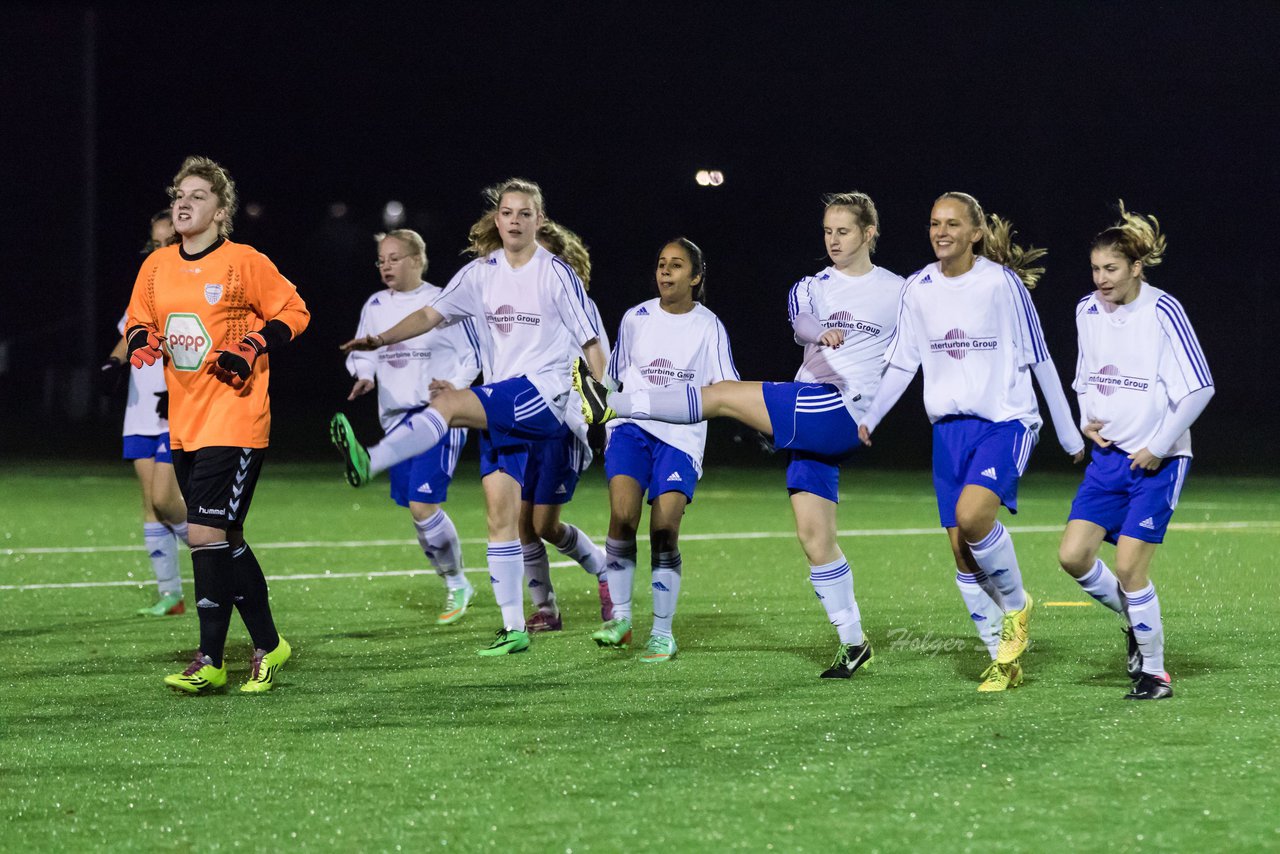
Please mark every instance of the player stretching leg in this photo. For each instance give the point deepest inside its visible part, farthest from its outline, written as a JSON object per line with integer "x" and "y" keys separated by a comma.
{"x": 217, "y": 309}
{"x": 844, "y": 317}
{"x": 552, "y": 472}
{"x": 405, "y": 375}
{"x": 967, "y": 319}
{"x": 1142, "y": 380}
{"x": 537, "y": 318}
{"x": 146, "y": 443}
{"x": 672, "y": 338}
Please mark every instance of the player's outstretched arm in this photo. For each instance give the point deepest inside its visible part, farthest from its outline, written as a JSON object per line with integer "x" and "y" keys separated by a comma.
{"x": 420, "y": 322}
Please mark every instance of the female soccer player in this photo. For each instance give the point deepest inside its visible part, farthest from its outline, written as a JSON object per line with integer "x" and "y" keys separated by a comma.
{"x": 844, "y": 317}
{"x": 1142, "y": 380}
{"x": 403, "y": 375}
{"x": 214, "y": 309}
{"x": 538, "y": 320}
{"x": 146, "y": 443}
{"x": 552, "y": 472}
{"x": 968, "y": 320}
{"x": 671, "y": 338}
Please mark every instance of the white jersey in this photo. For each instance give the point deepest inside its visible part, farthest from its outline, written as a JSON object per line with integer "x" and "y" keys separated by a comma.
{"x": 1136, "y": 362}
{"x": 573, "y": 418}
{"x": 865, "y": 308}
{"x": 404, "y": 371}
{"x": 976, "y": 336}
{"x": 537, "y": 319}
{"x": 145, "y": 383}
{"x": 656, "y": 348}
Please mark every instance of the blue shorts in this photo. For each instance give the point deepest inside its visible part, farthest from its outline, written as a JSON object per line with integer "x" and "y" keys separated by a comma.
{"x": 1129, "y": 503}
{"x": 655, "y": 465}
{"x": 969, "y": 450}
{"x": 516, "y": 413}
{"x": 426, "y": 477}
{"x": 511, "y": 458}
{"x": 814, "y": 474}
{"x": 812, "y": 418}
{"x": 551, "y": 475}
{"x": 148, "y": 448}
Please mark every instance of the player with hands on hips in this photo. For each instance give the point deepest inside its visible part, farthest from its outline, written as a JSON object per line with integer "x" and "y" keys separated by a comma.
{"x": 536, "y": 314}
{"x": 968, "y": 321}
{"x": 1142, "y": 381}
{"x": 407, "y": 375}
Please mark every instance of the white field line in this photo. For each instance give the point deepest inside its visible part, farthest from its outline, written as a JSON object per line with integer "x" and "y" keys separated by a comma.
{"x": 1248, "y": 527}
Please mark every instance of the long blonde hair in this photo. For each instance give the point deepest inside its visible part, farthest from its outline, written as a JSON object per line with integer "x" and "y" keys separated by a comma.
{"x": 997, "y": 243}
{"x": 1135, "y": 236}
{"x": 564, "y": 242}
{"x": 483, "y": 237}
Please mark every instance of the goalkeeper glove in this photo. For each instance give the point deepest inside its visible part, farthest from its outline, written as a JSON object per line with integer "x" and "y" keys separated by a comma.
{"x": 235, "y": 363}
{"x": 144, "y": 346}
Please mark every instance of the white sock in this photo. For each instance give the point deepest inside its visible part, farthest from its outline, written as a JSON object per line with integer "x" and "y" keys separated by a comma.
{"x": 162, "y": 548}
{"x": 667, "y": 567}
{"x": 833, "y": 582}
{"x": 677, "y": 404}
{"x": 180, "y": 531}
{"x": 986, "y": 614}
{"x": 506, "y": 571}
{"x": 439, "y": 540}
{"x": 537, "y": 573}
{"x": 1148, "y": 629}
{"x": 417, "y": 434}
{"x": 995, "y": 555}
{"x": 581, "y": 548}
{"x": 1102, "y": 584}
{"x": 620, "y": 571}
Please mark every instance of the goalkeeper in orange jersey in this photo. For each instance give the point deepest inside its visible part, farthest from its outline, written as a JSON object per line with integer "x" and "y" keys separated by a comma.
{"x": 213, "y": 310}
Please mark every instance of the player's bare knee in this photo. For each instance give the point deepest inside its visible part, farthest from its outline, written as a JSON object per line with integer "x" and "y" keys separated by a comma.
{"x": 1074, "y": 560}
{"x": 623, "y": 530}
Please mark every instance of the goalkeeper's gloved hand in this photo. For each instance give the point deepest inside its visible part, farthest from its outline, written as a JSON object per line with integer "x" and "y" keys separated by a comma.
{"x": 111, "y": 376}
{"x": 235, "y": 363}
{"x": 162, "y": 404}
{"x": 144, "y": 346}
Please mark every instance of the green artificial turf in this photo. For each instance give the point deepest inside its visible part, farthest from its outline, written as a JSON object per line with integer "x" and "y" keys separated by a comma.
{"x": 387, "y": 732}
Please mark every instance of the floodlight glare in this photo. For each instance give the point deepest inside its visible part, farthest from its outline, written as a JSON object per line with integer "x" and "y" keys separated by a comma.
{"x": 703, "y": 177}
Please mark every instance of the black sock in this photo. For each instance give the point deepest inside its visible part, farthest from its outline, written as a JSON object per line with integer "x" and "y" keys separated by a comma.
{"x": 212, "y": 566}
{"x": 252, "y": 600}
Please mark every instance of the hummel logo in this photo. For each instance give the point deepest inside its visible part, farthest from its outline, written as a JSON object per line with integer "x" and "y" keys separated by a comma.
{"x": 560, "y": 490}
{"x": 675, "y": 477}
{"x": 1148, "y": 523}
{"x": 658, "y": 585}
{"x": 206, "y": 603}
{"x": 641, "y": 310}
{"x": 1142, "y": 627}
{"x": 926, "y": 278}
{"x": 1093, "y": 309}
{"x": 991, "y": 473}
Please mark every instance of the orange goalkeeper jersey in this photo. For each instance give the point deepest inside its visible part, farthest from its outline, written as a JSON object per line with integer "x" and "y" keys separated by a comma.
{"x": 198, "y": 305}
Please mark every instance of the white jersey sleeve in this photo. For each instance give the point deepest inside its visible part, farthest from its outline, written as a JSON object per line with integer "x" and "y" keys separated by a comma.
{"x": 146, "y": 384}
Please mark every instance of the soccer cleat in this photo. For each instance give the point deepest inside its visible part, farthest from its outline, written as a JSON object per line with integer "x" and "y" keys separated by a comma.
{"x": 1013, "y": 634}
{"x": 354, "y": 456}
{"x": 849, "y": 657}
{"x": 506, "y": 642}
{"x": 606, "y": 601}
{"x": 658, "y": 650}
{"x": 1135, "y": 655}
{"x": 200, "y": 677}
{"x": 169, "y": 604}
{"x": 455, "y": 605}
{"x": 543, "y": 622}
{"x": 1151, "y": 687}
{"x": 595, "y": 397}
{"x": 1001, "y": 677}
{"x": 615, "y": 633}
{"x": 265, "y": 665}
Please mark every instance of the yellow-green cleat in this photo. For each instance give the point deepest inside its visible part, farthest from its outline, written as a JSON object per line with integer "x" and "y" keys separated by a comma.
{"x": 200, "y": 677}
{"x": 169, "y": 604}
{"x": 1001, "y": 677}
{"x": 506, "y": 642}
{"x": 1013, "y": 634}
{"x": 615, "y": 634}
{"x": 455, "y": 605}
{"x": 659, "y": 650}
{"x": 266, "y": 665}
{"x": 354, "y": 455}
{"x": 592, "y": 392}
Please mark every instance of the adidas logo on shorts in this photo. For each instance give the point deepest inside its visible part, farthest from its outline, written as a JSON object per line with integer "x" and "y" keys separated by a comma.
{"x": 1148, "y": 523}
{"x": 426, "y": 487}
{"x": 991, "y": 473}
{"x": 560, "y": 490}
{"x": 675, "y": 477}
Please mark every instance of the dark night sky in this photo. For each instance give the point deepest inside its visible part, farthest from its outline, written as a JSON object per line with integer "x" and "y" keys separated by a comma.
{"x": 1046, "y": 112}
